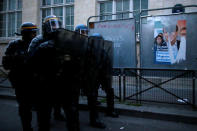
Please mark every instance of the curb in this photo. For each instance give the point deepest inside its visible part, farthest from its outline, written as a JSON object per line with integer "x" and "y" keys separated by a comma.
{"x": 150, "y": 115}
{"x": 135, "y": 113}
{"x": 159, "y": 116}
{"x": 8, "y": 97}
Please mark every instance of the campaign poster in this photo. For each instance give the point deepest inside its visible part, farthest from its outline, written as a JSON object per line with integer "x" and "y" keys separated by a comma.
{"x": 160, "y": 45}
{"x": 170, "y": 42}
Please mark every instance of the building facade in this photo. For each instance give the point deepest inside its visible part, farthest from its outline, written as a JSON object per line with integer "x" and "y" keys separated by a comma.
{"x": 70, "y": 12}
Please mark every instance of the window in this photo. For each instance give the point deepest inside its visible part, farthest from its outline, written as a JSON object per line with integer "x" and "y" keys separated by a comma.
{"x": 58, "y": 1}
{"x": 115, "y": 7}
{"x": 10, "y": 17}
{"x": 3, "y": 5}
{"x": 46, "y": 2}
{"x": 64, "y": 11}
{"x": 45, "y": 12}
{"x": 3, "y": 25}
{"x": 70, "y": 18}
{"x": 19, "y": 21}
{"x": 12, "y": 5}
{"x": 58, "y": 11}
{"x": 136, "y": 6}
{"x": 69, "y": 1}
{"x": 144, "y": 5}
{"x": 11, "y": 27}
{"x": 122, "y": 6}
{"x": 106, "y": 8}
{"x": 19, "y": 4}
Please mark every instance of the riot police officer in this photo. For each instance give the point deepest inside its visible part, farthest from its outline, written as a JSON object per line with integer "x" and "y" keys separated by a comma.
{"x": 81, "y": 29}
{"x": 15, "y": 60}
{"x": 55, "y": 80}
{"x": 89, "y": 88}
{"x": 105, "y": 78}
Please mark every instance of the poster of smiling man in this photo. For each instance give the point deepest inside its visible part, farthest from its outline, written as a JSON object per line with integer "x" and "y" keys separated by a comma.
{"x": 170, "y": 43}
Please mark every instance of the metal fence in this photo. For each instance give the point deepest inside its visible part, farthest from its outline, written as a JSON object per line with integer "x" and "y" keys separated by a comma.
{"x": 155, "y": 85}
{"x": 165, "y": 83}
{"x": 151, "y": 85}
{"x": 3, "y": 77}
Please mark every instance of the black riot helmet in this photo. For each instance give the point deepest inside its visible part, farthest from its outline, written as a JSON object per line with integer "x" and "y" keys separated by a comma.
{"x": 50, "y": 25}
{"x": 27, "y": 28}
{"x": 81, "y": 29}
{"x": 97, "y": 35}
{"x": 28, "y": 31}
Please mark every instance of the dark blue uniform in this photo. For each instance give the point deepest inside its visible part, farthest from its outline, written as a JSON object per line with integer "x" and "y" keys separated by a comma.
{"x": 105, "y": 82}
{"x": 15, "y": 60}
{"x": 43, "y": 79}
{"x": 57, "y": 79}
{"x": 92, "y": 70}
{"x": 104, "y": 73}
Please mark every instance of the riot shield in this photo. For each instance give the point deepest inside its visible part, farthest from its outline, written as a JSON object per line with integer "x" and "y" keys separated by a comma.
{"x": 70, "y": 42}
{"x": 99, "y": 45}
{"x": 108, "y": 47}
{"x": 85, "y": 54}
{"x": 88, "y": 49}
{"x": 100, "y": 61}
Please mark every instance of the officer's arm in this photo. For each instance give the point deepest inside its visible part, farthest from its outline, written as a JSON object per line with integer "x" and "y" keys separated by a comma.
{"x": 10, "y": 48}
{"x": 8, "y": 58}
{"x": 34, "y": 45}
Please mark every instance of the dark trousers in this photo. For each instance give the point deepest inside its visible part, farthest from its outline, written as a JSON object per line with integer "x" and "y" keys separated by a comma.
{"x": 27, "y": 98}
{"x": 25, "y": 114}
{"x": 57, "y": 109}
{"x": 92, "y": 99}
{"x": 43, "y": 117}
{"x": 105, "y": 83}
{"x": 68, "y": 98}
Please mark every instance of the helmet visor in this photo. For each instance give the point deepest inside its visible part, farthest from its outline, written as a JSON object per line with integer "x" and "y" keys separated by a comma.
{"x": 84, "y": 32}
{"x": 54, "y": 24}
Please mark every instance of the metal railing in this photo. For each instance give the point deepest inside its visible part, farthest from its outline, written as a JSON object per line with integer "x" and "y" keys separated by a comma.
{"x": 156, "y": 85}
{"x": 3, "y": 76}
{"x": 116, "y": 85}
{"x": 105, "y": 15}
{"x": 150, "y": 85}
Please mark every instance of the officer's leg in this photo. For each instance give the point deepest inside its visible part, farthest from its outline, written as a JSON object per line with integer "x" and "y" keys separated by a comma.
{"x": 57, "y": 112}
{"x": 43, "y": 116}
{"x": 97, "y": 102}
{"x": 71, "y": 111}
{"x": 110, "y": 98}
{"x": 24, "y": 108}
{"x": 94, "y": 117}
{"x": 72, "y": 116}
{"x": 25, "y": 115}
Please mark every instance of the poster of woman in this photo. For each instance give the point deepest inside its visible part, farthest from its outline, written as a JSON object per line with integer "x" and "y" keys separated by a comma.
{"x": 160, "y": 45}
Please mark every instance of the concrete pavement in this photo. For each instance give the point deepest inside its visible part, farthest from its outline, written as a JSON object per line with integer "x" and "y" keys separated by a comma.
{"x": 9, "y": 121}
{"x": 167, "y": 112}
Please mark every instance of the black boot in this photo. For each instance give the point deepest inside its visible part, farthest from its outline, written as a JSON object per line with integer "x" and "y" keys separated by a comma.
{"x": 97, "y": 123}
{"x": 110, "y": 104}
{"x": 59, "y": 117}
{"x": 26, "y": 116}
{"x": 57, "y": 113}
{"x": 27, "y": 129}
{"x": 98, "y": 103}
{"x": 43, "y": 118}
{"x": 112, "y": 114}
{"x": 72, "y": 117}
